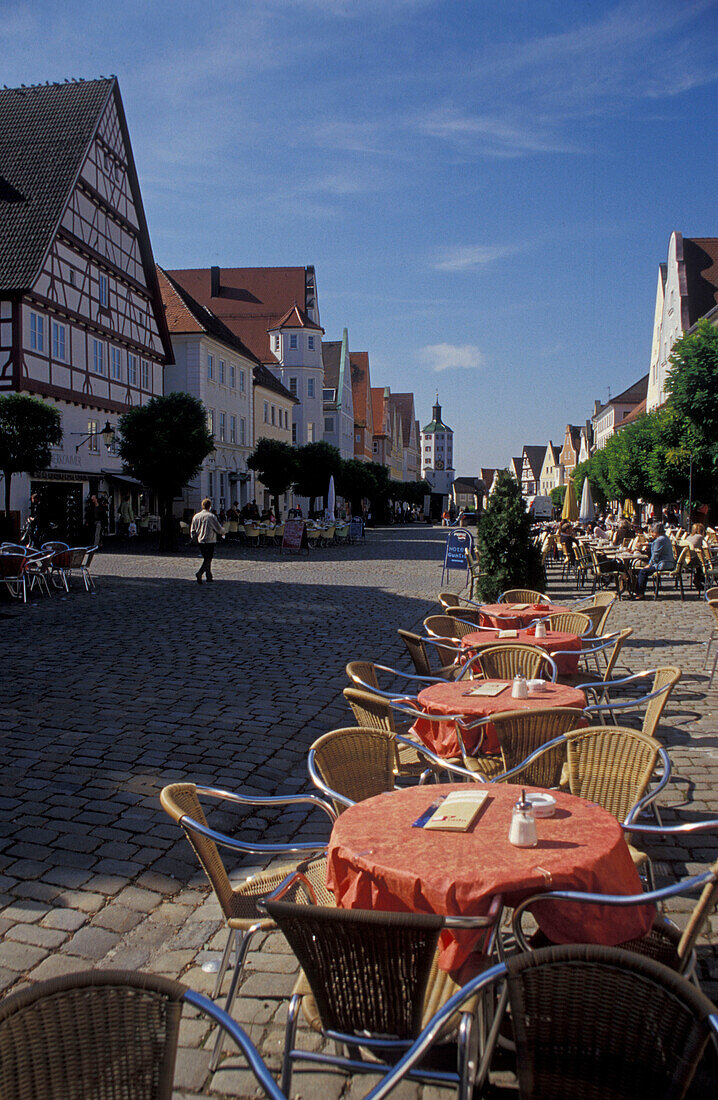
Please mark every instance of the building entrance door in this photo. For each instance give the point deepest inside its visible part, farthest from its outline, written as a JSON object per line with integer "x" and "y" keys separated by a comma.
{"x": 61, "y": 509}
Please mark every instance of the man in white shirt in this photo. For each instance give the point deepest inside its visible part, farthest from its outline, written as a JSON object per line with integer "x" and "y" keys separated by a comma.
{"x": 204, "y": 529}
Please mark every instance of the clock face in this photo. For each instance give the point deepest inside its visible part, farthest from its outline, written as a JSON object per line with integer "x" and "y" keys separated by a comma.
{"x": 439, "y": 464}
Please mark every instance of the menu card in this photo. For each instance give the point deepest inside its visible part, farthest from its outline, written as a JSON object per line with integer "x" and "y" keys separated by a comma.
{"x": 486, "y": 690}
{"x": 508, "y": 634}
{"x": 458, "y": 811}
{"x": 519, "y": 606}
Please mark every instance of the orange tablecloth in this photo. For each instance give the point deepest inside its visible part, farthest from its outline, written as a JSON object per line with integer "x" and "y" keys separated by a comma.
{"x": 377, "y": 860}
{"x": 555, "y": 639}
{"x": 508, "y": 615}
{"x": 449, "y": 698}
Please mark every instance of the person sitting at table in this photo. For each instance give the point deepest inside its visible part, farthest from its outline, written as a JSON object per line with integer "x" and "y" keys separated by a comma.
{"x": 599, "y": 532}
{"x": 566, "y": 536}
{"x": 661, "y": 559}
{"x": 695, "y": 540}
{"x": 623, "y": 532}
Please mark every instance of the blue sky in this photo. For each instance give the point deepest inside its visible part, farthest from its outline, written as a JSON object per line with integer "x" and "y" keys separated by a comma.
{"x": 485, "y": 187}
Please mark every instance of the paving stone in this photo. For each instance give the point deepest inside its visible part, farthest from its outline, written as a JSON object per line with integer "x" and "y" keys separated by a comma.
{"x": 37, "y": 935}
{"x": 67, "y": 920}
{"x": 91, "y": 943}
{"x": 20, "y": 956}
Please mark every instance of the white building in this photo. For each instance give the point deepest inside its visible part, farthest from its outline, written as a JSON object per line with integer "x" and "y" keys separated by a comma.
{"x": 437, "y": 453}
{"x": 337, "y": 396}
{"x": 213, "y": 365}
{"x": 608, "y": 418}
{"x": 296, "y": 343}
{"x": 687, "y": 290}
{"x": 81, "y": 318}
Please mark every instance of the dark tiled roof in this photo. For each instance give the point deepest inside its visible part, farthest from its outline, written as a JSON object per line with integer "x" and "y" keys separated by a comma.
{"x": 700, "y": 255}
{"x": 45, "y": 131}
{"x": 331, "y": 358}
{"x": 633, "y": 395}
{"x": 535, "y": 456}
{"x": 185, "y": 315}
{"x": 264, "y": 377}
{"x": 404, "y": 405}
{"x": 634, "y": 414}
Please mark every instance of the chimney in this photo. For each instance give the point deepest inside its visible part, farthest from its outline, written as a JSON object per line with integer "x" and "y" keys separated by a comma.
{"x": 214, "y": 275}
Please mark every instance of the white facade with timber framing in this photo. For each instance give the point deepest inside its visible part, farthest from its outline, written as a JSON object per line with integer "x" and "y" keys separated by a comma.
{"x": 82, "y": 320}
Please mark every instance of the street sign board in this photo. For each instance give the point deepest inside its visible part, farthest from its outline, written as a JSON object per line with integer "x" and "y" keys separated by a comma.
{"x": 295, "y": 535}
{"x": 457, "y": 544}
{"x": 356, "y": 528}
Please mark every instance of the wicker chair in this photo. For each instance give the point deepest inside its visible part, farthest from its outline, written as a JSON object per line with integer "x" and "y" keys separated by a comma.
{"x": 523, "y": 595}
{"x": 504, "y": 660}
{"x": 590, "y": 1023}
{"x": 419, "y": 653}
{"x": 372, "y": 710}
{"x": 370, "y": 981}
{"x": 465, "y": 615}
{"x": 608, "y": 648}
{"x": 447, "y": 633}
{"x": 606, "y": 600}
{"x": 104, "y": 1034}
{"x": 713, "y": 607}
{"x": 572, "y": 622}
{"x": 351, "y": 764}
{"x": 663, "y": 681}
{"x": 239, "y": 904}
{"x": 521, "y": 732}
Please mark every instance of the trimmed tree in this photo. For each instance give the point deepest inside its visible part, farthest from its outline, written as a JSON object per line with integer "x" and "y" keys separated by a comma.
{"x": 275, "y": 464}
{"x": 509, "y": 559}
{"x": 28, "y": 428}
{"x": 356, "y": 483}
{"x": 163, "y": 444}
{"x": 316, "y": 462}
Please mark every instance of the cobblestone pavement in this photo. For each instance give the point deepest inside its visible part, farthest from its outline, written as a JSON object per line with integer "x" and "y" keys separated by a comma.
{"x": 108, "y": 696}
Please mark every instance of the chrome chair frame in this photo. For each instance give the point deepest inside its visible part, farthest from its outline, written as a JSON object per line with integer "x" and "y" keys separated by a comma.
{"x": 603, "y": 686}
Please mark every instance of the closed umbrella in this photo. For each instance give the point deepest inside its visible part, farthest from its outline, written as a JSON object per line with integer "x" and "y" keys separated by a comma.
{"x": 331, "y": 499}
{"x": 570, "y": 504}
{"x": 587, "y": 510}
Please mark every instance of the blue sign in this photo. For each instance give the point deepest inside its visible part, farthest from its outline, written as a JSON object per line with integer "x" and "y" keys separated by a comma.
{"x": 356, "y": 528}
{"x": 457, "y": 544}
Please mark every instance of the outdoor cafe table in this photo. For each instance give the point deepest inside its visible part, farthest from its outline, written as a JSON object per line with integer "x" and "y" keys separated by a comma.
{"x": 567, "y": 663}
{"x": 515, "y": 616}
{"x": 378, "y": 860}
{"x": 450, "y": 698}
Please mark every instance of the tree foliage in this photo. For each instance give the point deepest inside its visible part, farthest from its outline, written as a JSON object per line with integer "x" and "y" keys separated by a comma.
{"x": 356, "y": 483}
{"x": 275, "y": 463}
{"x": 28, "y": 428}
{"x": 163, "y": 444}
{"x": 316, "y": 463}
{"x": 557, "y": 495}
{"x": 509, "y": 559}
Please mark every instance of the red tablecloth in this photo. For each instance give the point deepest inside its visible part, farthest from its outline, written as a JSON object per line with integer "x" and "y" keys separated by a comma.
{"x": 555, "y": 639}
{"x": 509, "y": 615}
{"x": 377, "y": 860}
{"x": 449, "y": 698}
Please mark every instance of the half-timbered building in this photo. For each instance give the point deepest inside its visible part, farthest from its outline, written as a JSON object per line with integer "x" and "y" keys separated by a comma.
{"x": 81, "y": 317}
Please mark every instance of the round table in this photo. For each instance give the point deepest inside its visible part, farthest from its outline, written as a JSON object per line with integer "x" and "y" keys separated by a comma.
{"x": 450, "y": 698}
{"x": 514, "y": 616}
{"x": 567, "y": 663}
{"x": 378, "y": 860}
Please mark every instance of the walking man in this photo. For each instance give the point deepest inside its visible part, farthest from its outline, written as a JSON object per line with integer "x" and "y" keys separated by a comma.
{"x": 204, "y": 530}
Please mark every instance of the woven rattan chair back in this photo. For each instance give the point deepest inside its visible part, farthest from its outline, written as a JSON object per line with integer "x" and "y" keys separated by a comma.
{"x": 521, "y": 732}
{"x": 368, "y": 971}
{"x": 445, "y": 626}
{"x": 104, "y": 1034}
{"x": 523, "y": 595}
{"x": 572, "y": 622}
{"x": 596, "y": 616}
{"x": 664, "y": 680}
{"x": 703, "y": 909}
{"x": 370, "y": 711}
{"x": 180, "y": 800}
{"x": 417, "y": 651}
{"x": 611, "y": 766}
{"x": 466, "y": 614}
{"x": 614, "y": 651}
{"x": 506, "y": 660}
{"x": 362, "y": 672}
{"x": 596, "y": 1022}
{"x": 448, "y": 599}
{"x": 358, "y": 762}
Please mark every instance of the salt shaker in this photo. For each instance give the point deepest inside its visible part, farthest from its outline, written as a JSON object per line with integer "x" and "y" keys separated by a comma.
{"x": 522, "y": 833}
{"x": 520, "y": 688}
{"x": 540, "y": 629}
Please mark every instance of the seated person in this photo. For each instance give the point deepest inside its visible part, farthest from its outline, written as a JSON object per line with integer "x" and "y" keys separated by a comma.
{"x": 661, "y": 559}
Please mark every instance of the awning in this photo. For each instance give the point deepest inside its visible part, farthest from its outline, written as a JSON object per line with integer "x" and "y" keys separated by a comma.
{"x": 124, "y": 478}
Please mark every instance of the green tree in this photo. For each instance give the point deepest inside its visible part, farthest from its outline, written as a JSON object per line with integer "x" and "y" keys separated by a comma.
{"x": 163, "y": 444}
{"x": 382, "y": 493}
{"x": 557, "y": 495}
{"x": 356, "y": 483}
{"x": 692, "y": 382}
{"x": 275, "y": 463}
{"x": 316, "y": 463}
{"x": 509, "y": 558}
{"x": 28, "y": 428}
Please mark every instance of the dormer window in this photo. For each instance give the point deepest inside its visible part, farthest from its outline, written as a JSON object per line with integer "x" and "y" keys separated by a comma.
{"x": 293, "y": 342}
{"x": 276, "y": 343}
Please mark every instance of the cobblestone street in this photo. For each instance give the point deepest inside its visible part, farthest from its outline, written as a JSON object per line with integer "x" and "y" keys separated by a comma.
{"x": 107, "y": 696}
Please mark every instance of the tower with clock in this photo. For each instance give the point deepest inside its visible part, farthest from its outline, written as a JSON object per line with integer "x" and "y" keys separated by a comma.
{"x": 437, "y": 453}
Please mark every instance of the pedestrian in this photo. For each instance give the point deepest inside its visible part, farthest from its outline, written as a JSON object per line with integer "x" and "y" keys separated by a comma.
{"x": 93, "y": 516}
{"x": 661, "y": 559}
{"x": 127, "y": 515}
{"x": 204, "y": 529}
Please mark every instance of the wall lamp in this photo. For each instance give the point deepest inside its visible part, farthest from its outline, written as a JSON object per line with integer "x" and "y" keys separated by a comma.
{"x": 107, "y": 434}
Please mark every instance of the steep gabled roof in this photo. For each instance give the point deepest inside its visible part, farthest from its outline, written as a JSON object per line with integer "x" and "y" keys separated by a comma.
{"x": 465, "y": 484}
{"x": 634, "y": 414}
{"x": 361, "y": 388}
{"x": 295, "y": 318}
{"x": 264, "y": 377}
{"x": 404, "y": 405}
{"x": 700, "y": 255}
{"x": 632, "y": 396}
{"x": 331, "y": 358}
{"x": 535, "y": 455}
{"x": 377, "y": 409}
{"x": 185, "y": 315}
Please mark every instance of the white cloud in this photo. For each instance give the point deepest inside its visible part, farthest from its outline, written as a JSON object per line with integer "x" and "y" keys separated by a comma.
{"x": 467, "y": 257}
{"x": 439, "y": 357}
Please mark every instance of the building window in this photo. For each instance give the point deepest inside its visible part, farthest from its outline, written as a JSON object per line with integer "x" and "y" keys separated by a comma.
{"x": 293, "y": 342}
{"x": 375, "y": 447}
{"x": 115, "y": 364}
{"x": 58, "y": 341}
{"x": 310, "y": 432}
{"x": 293, "y": 387}
{"x": 37, "y": 332}
{"x": 242, "y": 430}
{"x": 276, "y": 343}
{"x": 233, "y": 429}
{"x": 93, "y": 443}
{"x": 241, "y": 381}
{"x": 210, "y": 421}
{"x": 210, "y": 483}
{"x": 310, "y": 343}
{"x": 104, "y": 293}
{"x": 286, "y": 418}
{"x": 222, "y": 488}
{"x": 294, "y": 433}
{"x": 273, "y": 414}
{"x": 98, "y": 356}
{"x": 232, "y": 375}
{"x": 328, "y": 423}
{"x": 221, "y": 371}
{"x": 266, "y": 412}
{"x": 357, "y": 437}
{"x": 310, "y": 387}
{"x": 145, "y": 374}
{"x": 222, "y": 426}
{"x": 210, "y": 366}
{"x": 131, "y": 369}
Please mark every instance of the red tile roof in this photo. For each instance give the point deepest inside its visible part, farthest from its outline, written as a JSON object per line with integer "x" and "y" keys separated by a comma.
{"x": 185, "y": 316}
{"x": 296, "y": 318}
{"x": 251, "y": 299}
{"x": 377, "y": 409}
{"x": 634, "y": 414}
